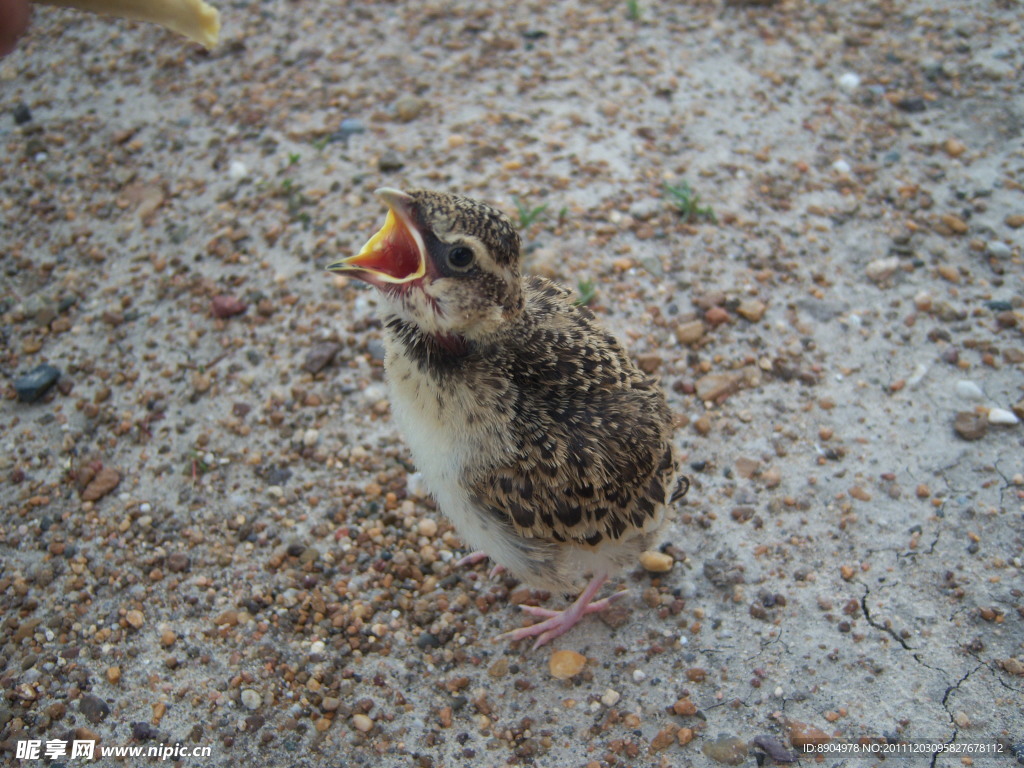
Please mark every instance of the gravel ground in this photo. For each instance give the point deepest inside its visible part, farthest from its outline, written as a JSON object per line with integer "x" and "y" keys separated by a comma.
{"x": 211, "y": 532}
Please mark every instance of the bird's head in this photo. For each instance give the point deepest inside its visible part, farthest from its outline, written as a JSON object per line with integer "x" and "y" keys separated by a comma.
{"x": 444, "y": 262}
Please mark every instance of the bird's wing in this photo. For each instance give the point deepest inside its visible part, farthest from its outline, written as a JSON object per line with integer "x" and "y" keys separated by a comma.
{"x": 592, "y": 456}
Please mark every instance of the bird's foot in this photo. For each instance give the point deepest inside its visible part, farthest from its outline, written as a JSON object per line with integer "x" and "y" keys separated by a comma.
{"x": 474, "y": 558}
{"x": 557, "y": 623}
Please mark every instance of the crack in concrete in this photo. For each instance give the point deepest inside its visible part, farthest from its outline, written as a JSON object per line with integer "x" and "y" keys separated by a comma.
{"x": 877, "y": 624}
{"x": 945, "y": 705}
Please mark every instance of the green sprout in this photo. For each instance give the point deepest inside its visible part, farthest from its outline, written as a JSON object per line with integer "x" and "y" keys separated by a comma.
{"x": 528, "y": 215}
{"x": 688, "y": 203}
{"x": 587, "y": 292}
{"x": 293, "y": 158}
{"x": 633, "y": 10}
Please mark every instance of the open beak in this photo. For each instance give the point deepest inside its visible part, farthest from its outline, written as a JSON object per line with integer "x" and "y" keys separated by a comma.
{"x": 395, "y": 255}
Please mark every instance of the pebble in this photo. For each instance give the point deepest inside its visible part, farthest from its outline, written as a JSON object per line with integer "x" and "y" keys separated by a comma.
{"x": 34, "y": 384}
{"x": 970, "y": 426}
{"x": 849, "y": 81}
{"x": 730, "y": 750}
{"x": 427, "y": 527}
{"x": 21, "y": 113}
{"x": 1015, "y": 220}
{"x": 841, "y": 166}
{"x": 1002, "y": 416}
{"x": 238, "y": 170}
{"x": 320, "y": 356}
{"x": 751, "y": 309}
{"x": 656, "y": 562}
{"x": 390, "y": 161}
{"x": 968, "y": 390}
{"x": 103, "y": 483}
{"x": 310, "y": 437}
{"x": 880, "y": 270}
{"x": 610, "y": 697}
{"x": 348, "y": 127}
{"x": 362, "y": 723}
{"x": 135, "y": 619}
{"x": 566, "y": 664}
{"x": 684, "y": 707}
{"x": 224, "y": 306}
{"x": 715, "y": 385}
{"x": 690, "y": 332}
{"x": 251, "y": 699}
{"x": 408, "y": 108}
{"x": 998, "y": 249}
{"x": 93, "y": 708}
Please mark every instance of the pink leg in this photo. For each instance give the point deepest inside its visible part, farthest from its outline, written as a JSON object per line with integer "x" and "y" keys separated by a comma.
{"x": 478, "y": 557}
{"x": 559, "y": 622}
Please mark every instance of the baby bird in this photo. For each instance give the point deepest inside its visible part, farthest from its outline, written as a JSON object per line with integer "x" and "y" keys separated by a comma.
{"x": 538, "y": 437}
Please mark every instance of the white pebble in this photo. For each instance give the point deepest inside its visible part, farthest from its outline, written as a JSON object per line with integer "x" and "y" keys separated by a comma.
{"x": 428, "y": 527}
{"x": 317, "y": 646}
{"x": 610, "y": 697}
{"x": 145, "y": 507}
{"x": 849, "y": 81}
{"x": 778, "y": 692}
{"x": 310, "y": 437}
{"x": 251, "y": 699}
{"x": 968, "y": 390}
{"x": 841, "y": 166}
{"x": 999, "y": 249}
{"x": 919, "y": 373}
{"x": 879, "y": 270}
{"x": 1002, "y": 416}
{"x": 639, "y": 675}
{"x": 237, "y": 170}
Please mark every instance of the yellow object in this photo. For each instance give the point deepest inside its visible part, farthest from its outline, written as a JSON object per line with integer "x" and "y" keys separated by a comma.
{"x": 194, "y": 19}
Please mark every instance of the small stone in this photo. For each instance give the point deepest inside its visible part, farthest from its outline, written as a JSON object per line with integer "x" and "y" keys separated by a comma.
{"x": 968, "y": 390}
{"x": 717, "y": 316}
{"x": 1002, "y": 416}
{"x": 685, "y": 707}
{"x": 348, "y": 127}
{"x": 1015, "y": 220}
{"x": 860, "y": 494}
{"x": 880, "y": 270}
{"x": 649, "y": 363}
{"x": 998, "y": 249}
{"x": 362, "y": 723}
{"x": 841, "y": 166}
{"x": 178, "y": 562}
{"x": 566, "y": 664}
{"x": 849, "y": 81}
{"x": 310, "y": 437}
{"x": 499, "y": 668}
{"x": 664, "y": 738}
{"x": 954, "y": 147}
{"x": 802, "y": 735}
{"x": 610, "y": 697}
{"x": 408, "y": 108}
{"x": 684, "y": 736}
{"x": 224, "y": 306}
{"x": 751, "y": 309}
{"x": 320, "y": 356}
{"x": 656, "y": 562}
{"x": 33, "y": 385}
{"x": 389, "y": 161}
{"x": 970, "y": 426}
{"x": 961, "y": 719}
{"x": 702, "y": 424}
{"x": 923, "y": 301}
{"x": 93, "y": 708}
{"x": 135, "y": 619}
{"x": 113, "y": 675}
{"x": 103, "y": 483}
{"x": 427, "y": 527}
{"x": 168, "y": 638}
{"x": 847, "y": 572}
{"x": 715, "y": 385}
{"x": 691, "y": 332}
{"x": 21, "y": 113}
{"x": 730, "y": 750}
{"x": 251, "y": 699}
{"x": 330, "y": 703}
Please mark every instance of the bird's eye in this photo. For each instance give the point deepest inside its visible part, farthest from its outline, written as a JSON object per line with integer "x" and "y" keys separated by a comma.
{"x": 460, "y": 257}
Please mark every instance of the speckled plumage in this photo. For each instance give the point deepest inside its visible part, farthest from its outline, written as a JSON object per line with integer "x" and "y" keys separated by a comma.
{"x": 541, "y": 440}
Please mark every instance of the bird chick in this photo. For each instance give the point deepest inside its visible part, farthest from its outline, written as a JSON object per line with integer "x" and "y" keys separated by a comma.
{"x": 540, "y": 440}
